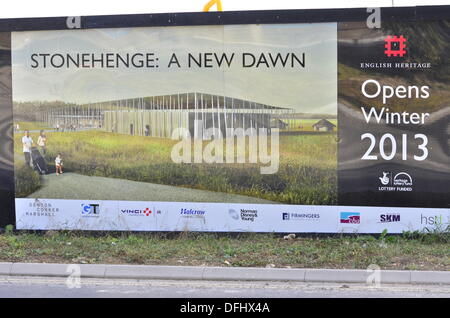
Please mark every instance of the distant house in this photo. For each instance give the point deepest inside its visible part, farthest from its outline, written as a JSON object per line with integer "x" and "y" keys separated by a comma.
{"x": 278, "y": 123}
{"x": 323, "y": 125}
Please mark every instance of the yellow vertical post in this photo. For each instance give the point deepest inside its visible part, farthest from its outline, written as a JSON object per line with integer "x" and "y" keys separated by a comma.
{"x": 211, "y": 3}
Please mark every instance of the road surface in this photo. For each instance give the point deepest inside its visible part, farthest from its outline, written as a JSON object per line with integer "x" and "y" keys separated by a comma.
{"x": 12, "y": 287}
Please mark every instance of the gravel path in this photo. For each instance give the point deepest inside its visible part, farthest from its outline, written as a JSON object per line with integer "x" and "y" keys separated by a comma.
{"x": 75, "y": 186}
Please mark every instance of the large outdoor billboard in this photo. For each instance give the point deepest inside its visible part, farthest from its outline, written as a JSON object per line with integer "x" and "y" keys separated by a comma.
{"x": 287, "y": 126}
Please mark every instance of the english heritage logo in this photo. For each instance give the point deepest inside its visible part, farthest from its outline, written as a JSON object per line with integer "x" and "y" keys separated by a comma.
{"x": 395, "y": 46}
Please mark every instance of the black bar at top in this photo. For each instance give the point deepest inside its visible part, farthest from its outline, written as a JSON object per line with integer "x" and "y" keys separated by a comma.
{"x": 229, "y": 17}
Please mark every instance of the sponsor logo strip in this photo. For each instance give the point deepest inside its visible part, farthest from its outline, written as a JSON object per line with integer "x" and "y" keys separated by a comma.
{"x": 44, "y": 214}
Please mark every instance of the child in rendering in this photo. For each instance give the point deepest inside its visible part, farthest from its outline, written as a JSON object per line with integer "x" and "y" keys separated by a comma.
{"x": 58, "y": 164}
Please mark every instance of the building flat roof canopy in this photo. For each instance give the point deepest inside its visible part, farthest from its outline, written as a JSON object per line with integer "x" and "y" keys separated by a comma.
{"x": 186, "y": 101}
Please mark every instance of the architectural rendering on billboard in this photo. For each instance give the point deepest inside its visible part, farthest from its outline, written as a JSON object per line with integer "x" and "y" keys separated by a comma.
{"x": 329, "y": 126}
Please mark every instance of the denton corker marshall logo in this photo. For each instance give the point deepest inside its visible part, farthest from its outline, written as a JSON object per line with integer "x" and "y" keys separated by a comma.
{"x": 401, "y": 181}
{"x": 41, "y": 208}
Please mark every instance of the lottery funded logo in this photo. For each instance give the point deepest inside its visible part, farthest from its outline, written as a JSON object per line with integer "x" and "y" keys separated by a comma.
{"x": 401, "y": 181}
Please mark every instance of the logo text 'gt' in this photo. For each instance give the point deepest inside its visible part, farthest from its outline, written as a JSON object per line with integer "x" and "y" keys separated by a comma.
{"x": 92, "y": 209}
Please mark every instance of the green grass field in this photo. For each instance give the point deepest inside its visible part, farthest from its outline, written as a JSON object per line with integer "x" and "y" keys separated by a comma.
{"x": 307, "y": 172}
{"x": 23, "y": 125}
{"x": 411, "y": 251}
{"x": 26, "y": 180}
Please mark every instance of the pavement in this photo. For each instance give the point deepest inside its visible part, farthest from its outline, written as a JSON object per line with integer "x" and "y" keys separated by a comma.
{"x": 76, "y": 186}
{"x": 202, "y": 273}
{"x": 59, "y": 287}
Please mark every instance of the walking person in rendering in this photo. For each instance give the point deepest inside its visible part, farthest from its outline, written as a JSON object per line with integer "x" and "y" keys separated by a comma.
{"x": 58, "y": 164}
{"x": 42, "y": 142}
{"x": 27, "y": 143}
